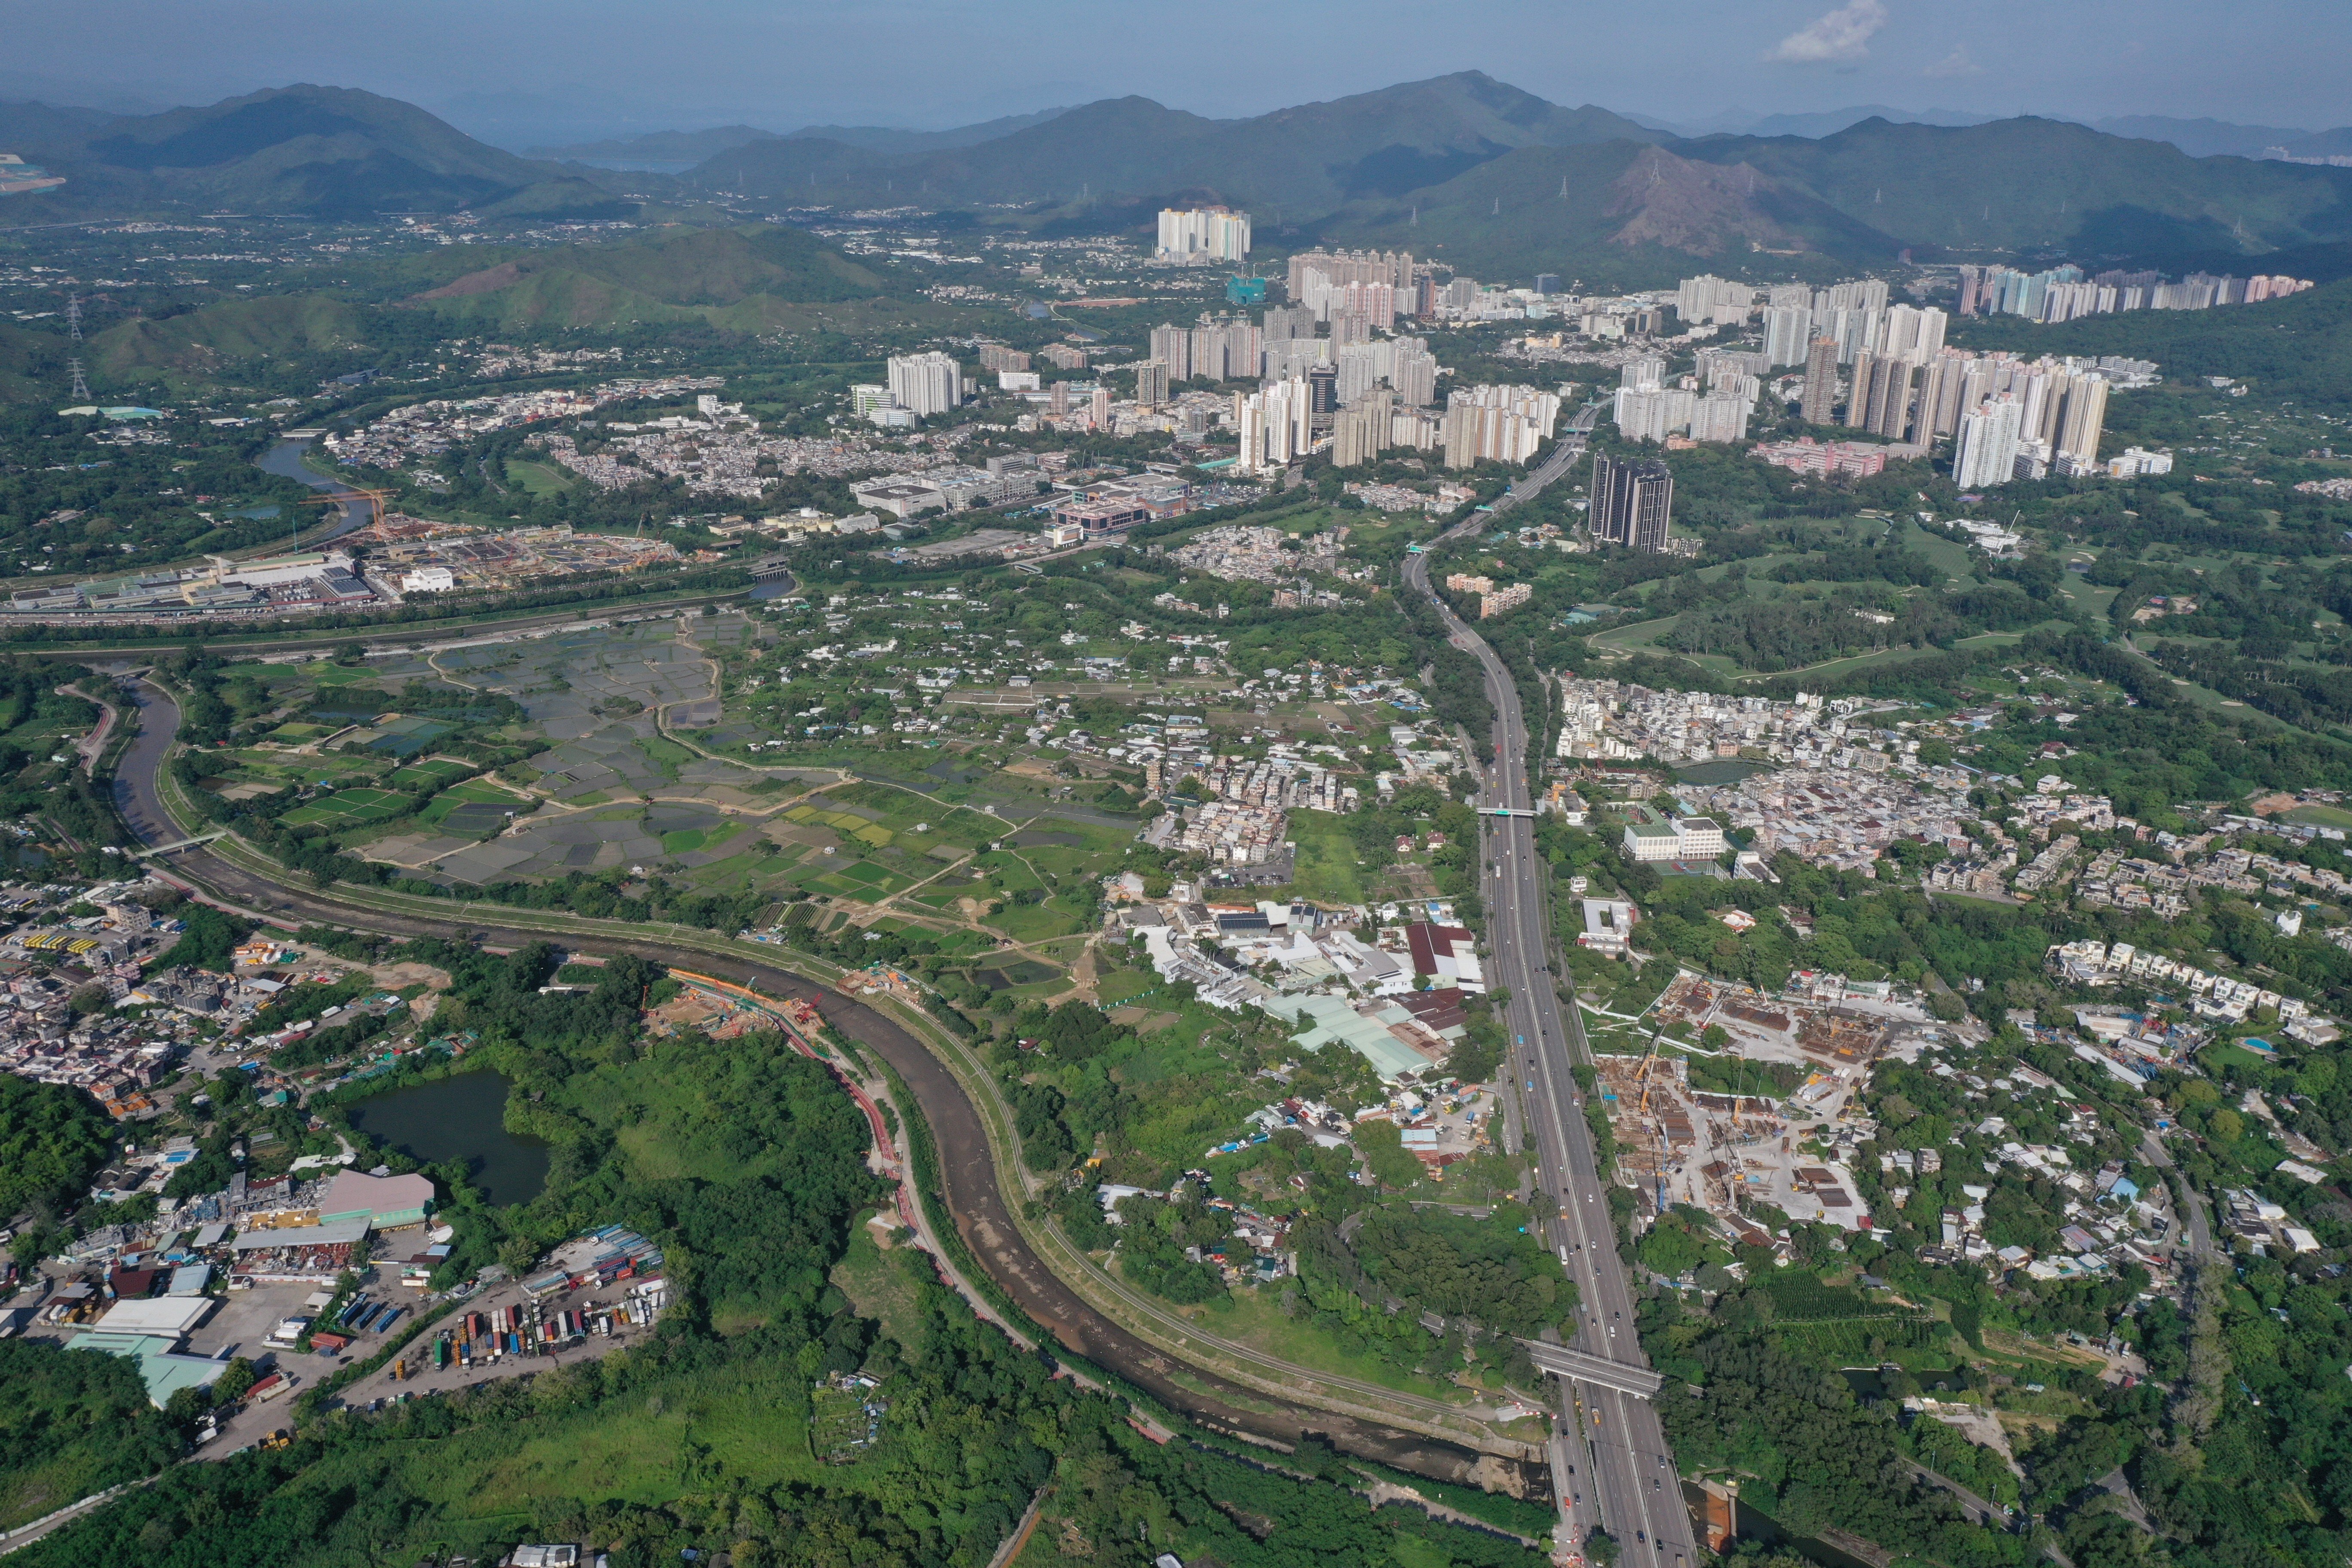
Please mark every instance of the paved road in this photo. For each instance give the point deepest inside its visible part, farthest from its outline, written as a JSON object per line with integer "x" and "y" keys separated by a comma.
{"x": 93, "y": 745}
{"x": 2188, "y": 1203}
{"x": 975, "y": 1200}
{"x": 1623, "y": 1478}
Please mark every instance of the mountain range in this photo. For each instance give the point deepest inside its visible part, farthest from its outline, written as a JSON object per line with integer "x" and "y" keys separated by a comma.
{"x": 323, "y": 151}
{"x": 1478, "y": 174}
{"x": 686, "y": 148}
{"x": 1502, "y": 182}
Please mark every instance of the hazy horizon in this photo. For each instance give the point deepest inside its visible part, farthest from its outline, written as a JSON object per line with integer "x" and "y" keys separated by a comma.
{"x": 521, "y": 71}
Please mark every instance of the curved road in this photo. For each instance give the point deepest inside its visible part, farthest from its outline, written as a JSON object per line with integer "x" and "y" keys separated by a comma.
{"x": 967, "y": 1171}
{"x": 1623, "y": 1478}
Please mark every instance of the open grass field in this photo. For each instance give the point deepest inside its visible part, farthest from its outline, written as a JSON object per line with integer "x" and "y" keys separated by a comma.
{"x": 750, "y": 1422}
{"x": 1845, "y": 666}
{"x": 1953, "y": 558}
{"x": 685, "y": 839}
{"x": 480, "y": 792}
{"x": 1125, "y": 985}
{"x": 1254, "y": 1318}
{"x": 884, "y": 1283}
{"x": 349, "y": 809}
{"x": 429, "y": 771}
{"x": 1327, "y": 872}
{"x": 1036, "y": 922}
{"x": 539, "y": 478}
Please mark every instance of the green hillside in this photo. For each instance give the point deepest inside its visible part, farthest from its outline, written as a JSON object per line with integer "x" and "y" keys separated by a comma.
{"x": 206, "y": 342}
{"x": 1302, "y": 162}
{"x": 325, "y": 151}
{"x": 32, "y": 365}
{"x": 2299, "y": 348}
{"x": 1614, "y": 215}
{"x": 731, "y": 278}
{"x": 2029, "y": 183}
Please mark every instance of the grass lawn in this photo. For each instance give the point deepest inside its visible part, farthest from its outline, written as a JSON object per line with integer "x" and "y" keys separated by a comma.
{"x": 1125, "y": 985}
{"x": 2321, "y": 815}
{"x": 1035, "y": 922}
{"x": 1842, "y": 666}
{"x": 1327, "y": 870}
{"x": 1642, "y": 635}
{"x": 1952, "y": 558}
{"x": 539, "y": 478}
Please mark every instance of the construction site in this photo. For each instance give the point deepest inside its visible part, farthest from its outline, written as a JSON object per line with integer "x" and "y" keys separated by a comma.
{"x": 1768, "y": 1125}
{"x": 412, "y": 553}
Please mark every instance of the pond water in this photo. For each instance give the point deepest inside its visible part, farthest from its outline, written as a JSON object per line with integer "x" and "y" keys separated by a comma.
{"x": 461, "y": 1117}
{"x": 1723, "y": 771}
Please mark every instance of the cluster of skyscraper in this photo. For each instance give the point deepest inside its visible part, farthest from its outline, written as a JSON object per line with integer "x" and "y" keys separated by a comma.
{"x": 1507, "y": 423}
{"x": 2009, "y": 418}
{"x": 2015, "y": 420}
{"x": 1194, "y": 237}
{"x": 2064, "y": 293}
{"x": 1649, "y": 410}
{"x": 1288, "y": 417}
{"x": 1231, "y": 348}
{"x": 919, "y": 385}
{"x": 1853, "y": 316}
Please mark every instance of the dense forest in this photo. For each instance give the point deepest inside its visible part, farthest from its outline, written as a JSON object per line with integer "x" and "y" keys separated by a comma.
{"x": 53, "y": 1139}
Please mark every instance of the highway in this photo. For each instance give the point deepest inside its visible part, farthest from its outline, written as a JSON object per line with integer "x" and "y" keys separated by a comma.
{"x": 1615, "y": 1472}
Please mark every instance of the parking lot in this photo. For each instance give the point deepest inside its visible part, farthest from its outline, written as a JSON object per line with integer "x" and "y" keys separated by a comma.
{"x": 423, "y": 1379}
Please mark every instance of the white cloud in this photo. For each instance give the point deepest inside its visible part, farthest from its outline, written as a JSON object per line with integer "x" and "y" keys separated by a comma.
{"x": 1956, "y": 63}
{"x": 1842, "y": 35}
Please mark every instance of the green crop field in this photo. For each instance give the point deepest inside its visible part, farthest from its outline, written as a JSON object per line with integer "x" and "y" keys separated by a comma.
{"x": 429, "y": 771}
{"x": 479, "y": 791}
{"x": 680, "y": 841}
{"x": 349, "y": 809}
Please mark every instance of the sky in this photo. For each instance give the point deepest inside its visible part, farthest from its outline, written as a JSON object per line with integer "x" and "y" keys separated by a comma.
{"x": 519, "y": 72}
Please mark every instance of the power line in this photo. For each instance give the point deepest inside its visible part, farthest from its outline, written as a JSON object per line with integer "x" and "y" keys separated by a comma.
{"x": 73, "y": 327}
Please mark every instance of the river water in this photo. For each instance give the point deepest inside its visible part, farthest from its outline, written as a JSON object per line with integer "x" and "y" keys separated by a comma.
{"x": 285, "y": 460}
{"x": 461, "y": 1117}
